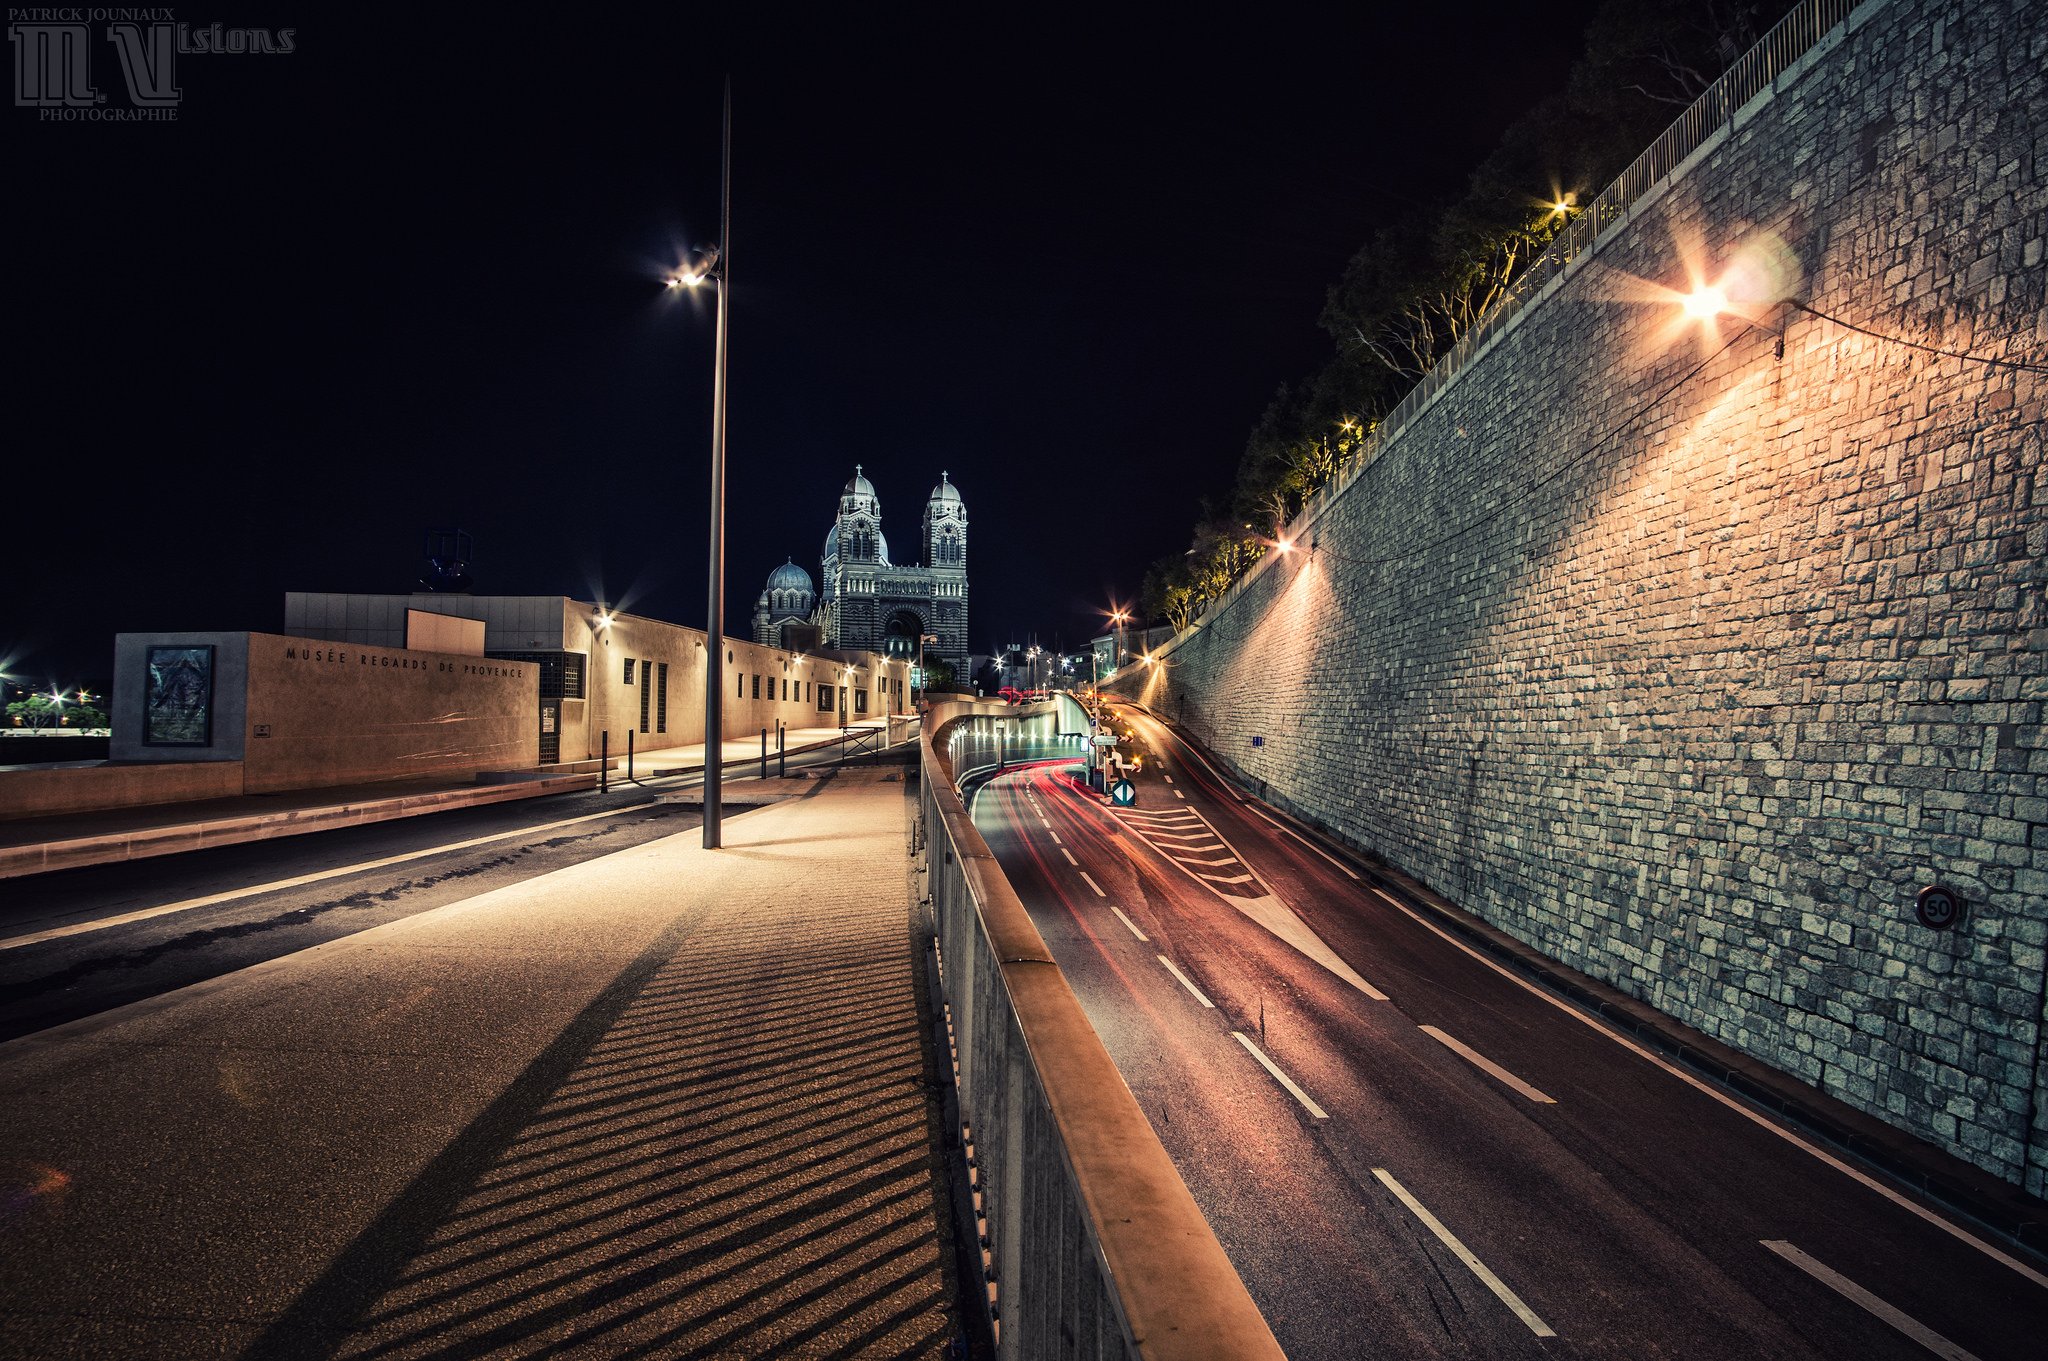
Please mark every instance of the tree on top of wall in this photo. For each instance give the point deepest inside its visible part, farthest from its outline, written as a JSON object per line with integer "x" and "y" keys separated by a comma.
{"x": 1423, "y": 280}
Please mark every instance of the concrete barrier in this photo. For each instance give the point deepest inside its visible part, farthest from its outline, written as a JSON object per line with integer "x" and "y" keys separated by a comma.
{"x": 89, "y": 789}
{"x": 1096, "y": 1248}
{"x": 139, "y": 843}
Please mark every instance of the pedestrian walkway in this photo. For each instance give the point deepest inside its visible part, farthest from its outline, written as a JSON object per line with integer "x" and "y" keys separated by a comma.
{"x": 736, "y": 752}
{"x": 671, "y": 1101}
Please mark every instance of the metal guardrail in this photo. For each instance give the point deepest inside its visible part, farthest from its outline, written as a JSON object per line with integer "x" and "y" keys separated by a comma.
{"x": 1094, "y": 1246}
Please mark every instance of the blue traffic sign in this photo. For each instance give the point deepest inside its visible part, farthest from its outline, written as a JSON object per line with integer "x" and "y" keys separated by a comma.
{"x": 1123, "y": 793}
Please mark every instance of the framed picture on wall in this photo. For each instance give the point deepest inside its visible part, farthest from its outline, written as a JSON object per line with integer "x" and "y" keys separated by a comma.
{"x": 177, "y": 705}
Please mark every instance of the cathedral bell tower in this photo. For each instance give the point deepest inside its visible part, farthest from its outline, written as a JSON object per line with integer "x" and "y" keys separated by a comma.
{"x": 945, "y": 555}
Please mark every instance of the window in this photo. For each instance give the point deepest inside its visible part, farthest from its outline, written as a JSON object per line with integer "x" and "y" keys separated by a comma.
{"x": 824, "y": 699}
{"x": 561, "y": 673}
{"x": 661, "y": 699}
{"x": 757, "y": 687}
{"x": 785, "y": 689}
{"x": 629, "y": 670}
{"x": 646, "y": 696}
{"x": 860, "y": 701}
{"x": 739, "y": 685}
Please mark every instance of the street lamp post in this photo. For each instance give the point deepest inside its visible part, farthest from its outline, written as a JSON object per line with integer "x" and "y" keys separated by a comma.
{"x": 923, "y": 685}
{"x": 714, "y": 270}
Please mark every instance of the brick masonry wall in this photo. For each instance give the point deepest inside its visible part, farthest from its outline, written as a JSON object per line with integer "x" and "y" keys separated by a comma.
{"x": 1689, "y": 664}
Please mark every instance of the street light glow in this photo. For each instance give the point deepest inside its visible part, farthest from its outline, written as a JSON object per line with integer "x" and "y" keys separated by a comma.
{"x": 1704, "y": 302}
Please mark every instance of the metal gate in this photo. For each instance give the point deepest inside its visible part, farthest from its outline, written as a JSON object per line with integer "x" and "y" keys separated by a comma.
{"x": 550, "y": 731}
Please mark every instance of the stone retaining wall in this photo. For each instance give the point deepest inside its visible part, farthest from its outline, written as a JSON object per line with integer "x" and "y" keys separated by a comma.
{"x": 1692, "y": 664}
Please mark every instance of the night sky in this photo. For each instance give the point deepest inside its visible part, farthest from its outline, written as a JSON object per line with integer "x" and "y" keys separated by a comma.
{"x": 408, "y": 275}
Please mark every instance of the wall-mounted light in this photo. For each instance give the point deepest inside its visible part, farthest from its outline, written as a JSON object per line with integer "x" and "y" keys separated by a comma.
{"x": 1705, "y": 302}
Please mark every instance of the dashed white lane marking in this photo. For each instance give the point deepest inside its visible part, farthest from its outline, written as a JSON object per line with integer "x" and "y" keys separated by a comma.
{"x": 1849, "y": 1290}
{"x": 1754, "y": 1117}
{"x": 1187, "y": 983}
{"x": 1465, "y": 1255}
{"x": 1092, "y": 884}
{"x": 1305, "y": 841}
{"x": 1178, "y": 795}
{"x": 1299, "y": 1095}
{"x": 1128, "y": 922}
{"x": 144, "y": 914}
{"x": 1043, "y": 823}
{"x": 1055, "y": 838}
{"x": 1206, "y": 764}
{"x": 1485, "y": 1064}
{"x": 1070, "y": 857}
{"x": 1166, "y": 777}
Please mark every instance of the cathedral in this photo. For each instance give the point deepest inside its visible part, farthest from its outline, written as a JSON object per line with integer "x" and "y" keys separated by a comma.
{"x": 867, "y": 601}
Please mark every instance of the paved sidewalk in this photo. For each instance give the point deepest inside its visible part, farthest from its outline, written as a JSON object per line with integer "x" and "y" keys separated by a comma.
{"x": 671, "y": 1101}
{"x": 736, "y": 753}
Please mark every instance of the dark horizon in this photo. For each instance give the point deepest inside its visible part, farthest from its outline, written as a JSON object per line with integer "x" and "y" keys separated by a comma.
{"x": 375, "y": 286}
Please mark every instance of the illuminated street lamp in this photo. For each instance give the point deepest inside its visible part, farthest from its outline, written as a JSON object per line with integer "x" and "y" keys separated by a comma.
{"x": 712, "y": 269}
{"x": 923, "y": 685}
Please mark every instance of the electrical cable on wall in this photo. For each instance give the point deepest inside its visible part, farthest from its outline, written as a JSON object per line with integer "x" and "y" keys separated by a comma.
{"x": 1916, "y": 345}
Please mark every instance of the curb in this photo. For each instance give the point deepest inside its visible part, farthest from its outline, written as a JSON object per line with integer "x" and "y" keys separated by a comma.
{"x": 143, "y": 842}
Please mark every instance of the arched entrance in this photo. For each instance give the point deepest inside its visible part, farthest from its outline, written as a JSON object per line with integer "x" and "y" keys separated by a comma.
{"x": 900, "y": 633}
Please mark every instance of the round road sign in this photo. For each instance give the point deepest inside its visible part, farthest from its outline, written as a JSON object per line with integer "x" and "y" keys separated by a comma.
{"x": 1123, "y": 793}
{"x": 1937, "y": 908}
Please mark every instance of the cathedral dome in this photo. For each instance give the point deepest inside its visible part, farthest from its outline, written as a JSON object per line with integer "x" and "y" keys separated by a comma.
{"x": 859, "y": 486}
{"x": 946, "y": 491}
{"x": 790, "y": 577}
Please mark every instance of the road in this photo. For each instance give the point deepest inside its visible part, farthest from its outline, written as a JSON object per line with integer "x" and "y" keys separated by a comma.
{"x": 78, "y": 942}
{"x": 1410, "y": 1151}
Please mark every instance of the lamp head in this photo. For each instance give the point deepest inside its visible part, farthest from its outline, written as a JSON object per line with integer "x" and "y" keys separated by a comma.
{"x": 1704, "y": 302}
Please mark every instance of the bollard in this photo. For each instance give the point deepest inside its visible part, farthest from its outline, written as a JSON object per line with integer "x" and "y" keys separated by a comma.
{"x": 629, "y": 753}
{"x": 764, "y": 753}
{"x": 781, "y": 749}
{"x": 604, "y": 762}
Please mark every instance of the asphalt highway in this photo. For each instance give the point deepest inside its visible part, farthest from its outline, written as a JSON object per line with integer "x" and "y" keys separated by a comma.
{"x": 78, "y": 942}
{"x": 1409, "y": 1151}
